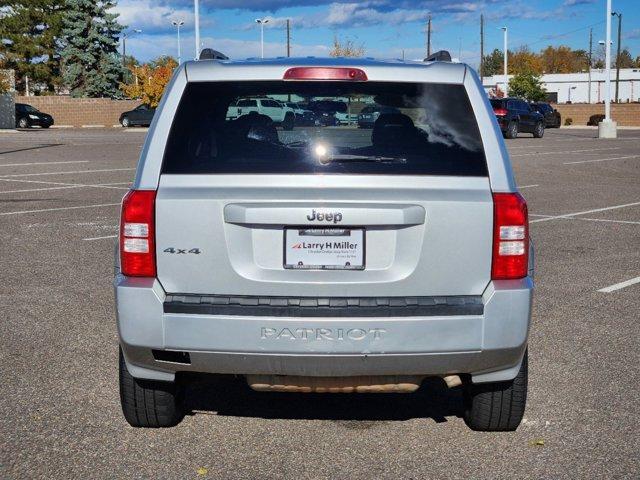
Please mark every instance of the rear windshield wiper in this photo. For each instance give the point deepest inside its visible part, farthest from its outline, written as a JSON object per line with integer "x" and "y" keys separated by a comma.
{"x": 344, "y": 158}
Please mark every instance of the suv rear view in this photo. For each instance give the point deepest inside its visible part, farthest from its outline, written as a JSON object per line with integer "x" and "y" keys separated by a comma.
{"x": 516, "y": 116}
{"x": 325, "y": 259}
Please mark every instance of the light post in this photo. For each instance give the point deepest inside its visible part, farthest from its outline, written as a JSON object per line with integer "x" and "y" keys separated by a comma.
{"x": 506, "y": 77}
{"x": 196, "y": 8}
{"x": 570, "y": 88}
{"x": 126, "y": 35}
{"x": 607, "y": 128}
{"x": 261, "y": 22}
{"x": 619, "y": 15}
{"x": 178, "y": 24}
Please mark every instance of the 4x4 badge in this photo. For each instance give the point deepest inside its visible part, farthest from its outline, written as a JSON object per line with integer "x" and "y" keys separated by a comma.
{"x": 325, "y": 217}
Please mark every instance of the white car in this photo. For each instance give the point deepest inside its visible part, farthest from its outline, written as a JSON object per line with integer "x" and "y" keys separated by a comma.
{"x": 276, "y": 111}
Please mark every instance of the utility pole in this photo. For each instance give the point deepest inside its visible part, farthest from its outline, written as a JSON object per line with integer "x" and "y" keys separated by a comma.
{"x": 288, "y": 38}
{"x": 481, "y": 48}
{"x": 429, "y": 36}
{"x": 618, "y": 53}
{"x": 590, "y": 62}
{"x": 196, "y": 11}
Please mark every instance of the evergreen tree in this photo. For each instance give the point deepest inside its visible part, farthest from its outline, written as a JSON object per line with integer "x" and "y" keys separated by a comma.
{"x": 493, "y": 63}
{"x": 29, "y": 32}
{"x": 90, "y": 35}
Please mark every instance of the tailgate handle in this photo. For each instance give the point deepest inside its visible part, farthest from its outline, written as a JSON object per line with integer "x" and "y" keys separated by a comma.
{"x": 365, "y": 214}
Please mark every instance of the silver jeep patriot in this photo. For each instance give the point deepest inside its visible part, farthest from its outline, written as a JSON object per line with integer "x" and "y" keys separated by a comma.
{"x": 325, "y": 258}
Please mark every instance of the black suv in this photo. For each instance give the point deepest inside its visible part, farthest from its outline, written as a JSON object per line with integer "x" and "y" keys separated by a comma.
{"x": 552, "y": 117}
{"x": 515, "y": 115}
{"x": 140, "y": 116}
{"x": 28, "y": 116}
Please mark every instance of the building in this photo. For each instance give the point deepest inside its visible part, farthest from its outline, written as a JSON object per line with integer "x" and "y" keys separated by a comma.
{"x": 574, "y": 87}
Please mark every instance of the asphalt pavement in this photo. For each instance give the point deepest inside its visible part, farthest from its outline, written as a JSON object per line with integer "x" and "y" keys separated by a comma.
{"x": 60, "y": 412}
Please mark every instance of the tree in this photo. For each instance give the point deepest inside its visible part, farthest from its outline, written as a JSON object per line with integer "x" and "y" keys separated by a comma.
{"x": 625, "y": 60}
{"x": 150, "y": 80}
{"x": 527, "y": 86}
{"x": 29, "y": 32}
{"x": 346, "y": 49}
{"x": 524, "y": 60}
{"x": 563, "y": 60}
{"x": 492, "y": 63}
{"x": 90, "y": 35}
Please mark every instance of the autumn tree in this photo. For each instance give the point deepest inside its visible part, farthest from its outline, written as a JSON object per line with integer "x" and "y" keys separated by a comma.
{"x": 563, "y": 59}
{"x": 524, "y": 60}
{"x": 150, "y": 80}
{"x": 346, "y": 48}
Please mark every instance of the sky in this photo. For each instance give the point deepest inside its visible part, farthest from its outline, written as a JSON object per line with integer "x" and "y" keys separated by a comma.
{"x": 386, "y": 28}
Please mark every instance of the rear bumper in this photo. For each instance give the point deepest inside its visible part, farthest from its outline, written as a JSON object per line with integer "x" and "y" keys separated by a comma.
{"x": 489, "y": 346}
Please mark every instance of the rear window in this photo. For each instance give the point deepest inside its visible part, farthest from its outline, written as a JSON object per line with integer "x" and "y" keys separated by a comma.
{"x": 422, "y": 129}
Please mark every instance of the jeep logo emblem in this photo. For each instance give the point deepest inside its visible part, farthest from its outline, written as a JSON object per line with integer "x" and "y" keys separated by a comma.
{"x": 334, "y": 217}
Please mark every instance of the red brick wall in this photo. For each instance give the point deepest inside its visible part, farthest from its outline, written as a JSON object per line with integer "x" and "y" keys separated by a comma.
{"x": 81, "y": 111}
{"x": 626, "y": 114}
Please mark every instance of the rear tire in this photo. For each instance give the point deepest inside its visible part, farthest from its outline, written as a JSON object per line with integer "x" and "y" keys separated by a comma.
{"x": 538, "y": 131}
{"x": 24, "y": 123}
{"x": 147, "y": 403}
{"x": 126, "y": 122}
{"x": 512, "y": 130}
{"x": 289, "y": 122}
{"x": 497, "y": 407}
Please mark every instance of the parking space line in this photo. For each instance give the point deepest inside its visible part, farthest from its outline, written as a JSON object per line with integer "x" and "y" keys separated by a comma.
{"x": 70, "y": 185}
{"x": 41, "y": 163}
{"x": 568, "y": 151}
{"x": 601, "y": 159}
{"x": 100, "y": 238}
{"x": 65, "y": 173}
{"x": 586, "y": 212}
{"x": 621, "y": 285}
{"x": 19, "y": 212}
{"x": 528, "y": 186}
{"x": 606, "y": 220}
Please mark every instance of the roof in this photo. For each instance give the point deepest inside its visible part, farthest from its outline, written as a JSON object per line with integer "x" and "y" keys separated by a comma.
{"x": 274, "y": 68}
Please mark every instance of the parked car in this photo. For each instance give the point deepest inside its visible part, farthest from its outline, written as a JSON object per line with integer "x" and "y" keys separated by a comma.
{"x": 304, "y": 116}
{"x": 369, "y": 114}
{"x": 242, "y": 248}
{"x": 141, "y": 116}
{"x": 552, "y": 117}
{"x": 29, "y": 116}
{"x": 515, "y": 115}
{"x": 329, "y": 112}
{"x": 278, "y": 112}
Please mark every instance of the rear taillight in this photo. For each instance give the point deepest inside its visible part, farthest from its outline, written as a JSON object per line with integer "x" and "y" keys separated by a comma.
{"x": 510, "y": 237}
{"x": 137, "y": 234}
{"x": 500, "y": 112}
{"x": 325, "y": 73}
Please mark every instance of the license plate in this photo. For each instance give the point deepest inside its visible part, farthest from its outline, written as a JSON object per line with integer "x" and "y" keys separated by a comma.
{"x": 324, "y": 248}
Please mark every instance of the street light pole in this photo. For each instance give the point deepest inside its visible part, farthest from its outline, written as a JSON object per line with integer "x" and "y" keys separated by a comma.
{"x": 506, "y": 77}
{"x": 262, "y": 22}
{"x": 619, "y": 15}
{"x": 125, "y": 35}
{"x": 607, "y": 128}
{"x": 178, "y": 24}
{"x": 196, "y": 8}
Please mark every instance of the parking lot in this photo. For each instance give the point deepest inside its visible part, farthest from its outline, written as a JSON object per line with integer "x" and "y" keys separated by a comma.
{"x": 60, "y": 192}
